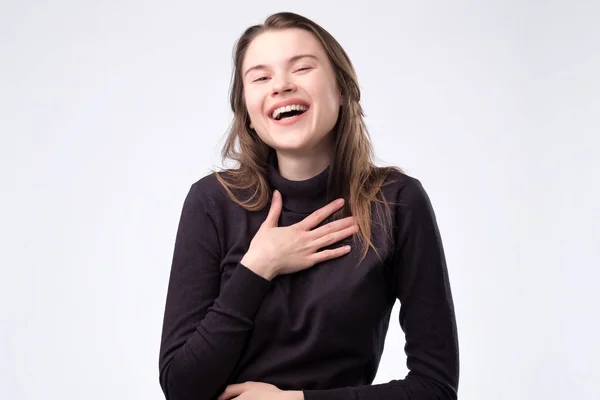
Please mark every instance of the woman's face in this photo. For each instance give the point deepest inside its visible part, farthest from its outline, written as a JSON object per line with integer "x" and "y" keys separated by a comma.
{"x": 290, "y": 91}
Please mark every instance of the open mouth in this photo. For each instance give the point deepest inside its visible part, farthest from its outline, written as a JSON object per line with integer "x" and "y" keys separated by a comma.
{"x": 290, "y": 111}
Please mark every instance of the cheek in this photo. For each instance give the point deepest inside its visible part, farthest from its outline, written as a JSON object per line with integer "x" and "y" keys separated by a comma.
{"x": 253, "y": 104}
{"x": 330, "y": 97}
{"x": 331, "y": 105}
{"x": 336, "y": 97}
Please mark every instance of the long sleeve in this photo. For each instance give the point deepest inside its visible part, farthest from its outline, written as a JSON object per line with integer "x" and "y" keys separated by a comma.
{"x": 427, "y": 314}
{"x": 204, "y": 329}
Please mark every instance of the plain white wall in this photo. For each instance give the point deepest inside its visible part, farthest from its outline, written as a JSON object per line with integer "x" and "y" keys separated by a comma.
{"x": 110, "y": 110}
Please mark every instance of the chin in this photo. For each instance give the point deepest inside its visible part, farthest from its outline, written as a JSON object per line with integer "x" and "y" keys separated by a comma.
{"x": 288, "y": 141}
{"x": 290, "y": 147}
{"x": 297, "y": 141}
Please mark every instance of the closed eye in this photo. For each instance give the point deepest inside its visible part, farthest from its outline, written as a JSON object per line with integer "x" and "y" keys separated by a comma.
{"x": 264, "y": 78}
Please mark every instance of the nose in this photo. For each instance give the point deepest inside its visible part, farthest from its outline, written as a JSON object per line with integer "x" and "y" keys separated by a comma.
{"x": 282, "y": 85}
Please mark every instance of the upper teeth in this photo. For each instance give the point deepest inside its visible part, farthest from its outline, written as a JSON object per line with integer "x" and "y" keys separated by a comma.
{"x": 296, "y": 107}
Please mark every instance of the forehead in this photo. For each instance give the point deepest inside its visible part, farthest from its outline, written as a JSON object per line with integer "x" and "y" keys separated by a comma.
{"x": 273, "y": 47}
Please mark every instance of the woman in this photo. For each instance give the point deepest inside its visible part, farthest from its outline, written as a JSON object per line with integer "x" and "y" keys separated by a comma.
{"x": 286, "y": 268}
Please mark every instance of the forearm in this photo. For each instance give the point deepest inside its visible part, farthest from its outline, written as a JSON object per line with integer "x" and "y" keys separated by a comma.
{"x": 411, "y": 388}
{"x": 198, "y": 365}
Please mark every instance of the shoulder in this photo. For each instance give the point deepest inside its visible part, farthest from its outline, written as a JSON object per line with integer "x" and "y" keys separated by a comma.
{"x": 208, "y": 187}
{"x": 403, "y": 190}
{"x": 208, "y": 192}
{"x": 411, "y": 209}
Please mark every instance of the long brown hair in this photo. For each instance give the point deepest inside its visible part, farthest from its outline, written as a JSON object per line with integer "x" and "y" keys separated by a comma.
{"x": 353, "y": 152}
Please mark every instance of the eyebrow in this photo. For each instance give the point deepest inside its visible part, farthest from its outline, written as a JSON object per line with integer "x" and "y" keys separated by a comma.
{"x": 291, "y": 60}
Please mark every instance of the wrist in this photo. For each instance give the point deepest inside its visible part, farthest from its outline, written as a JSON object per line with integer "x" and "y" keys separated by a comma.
{"x": 294, "y": 395}
{"x": 257, "y": 266}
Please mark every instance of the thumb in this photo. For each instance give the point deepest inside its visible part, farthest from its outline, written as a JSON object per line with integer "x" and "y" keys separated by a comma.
{"x": 275, "y": 210}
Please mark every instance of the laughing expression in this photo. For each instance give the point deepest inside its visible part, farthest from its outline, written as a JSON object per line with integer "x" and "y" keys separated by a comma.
{"x": 290, "y": 91}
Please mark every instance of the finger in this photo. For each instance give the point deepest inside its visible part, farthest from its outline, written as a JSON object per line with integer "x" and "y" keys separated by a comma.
{"x": 329, "y": 254}
{"x": 331, "y": 227}
{"x": 335, "y": 237}
{"x": 320, "y": 215}
{"x": 275, "y": 210}
{"x": 232, "y": 391}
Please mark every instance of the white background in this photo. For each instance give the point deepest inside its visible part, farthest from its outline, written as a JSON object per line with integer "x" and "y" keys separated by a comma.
{"x": 110, "y": 110}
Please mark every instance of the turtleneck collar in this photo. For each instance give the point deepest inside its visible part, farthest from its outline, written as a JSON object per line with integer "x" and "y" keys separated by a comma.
{"x": 303, "y": 196}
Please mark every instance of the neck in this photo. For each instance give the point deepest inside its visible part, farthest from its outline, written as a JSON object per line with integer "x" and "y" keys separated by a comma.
{"x": 299, "y": 195}
{"x": 299, "y": 167}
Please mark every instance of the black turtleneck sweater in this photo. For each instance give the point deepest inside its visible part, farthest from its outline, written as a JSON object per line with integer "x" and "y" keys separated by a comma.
{"x": 321, "y": 330}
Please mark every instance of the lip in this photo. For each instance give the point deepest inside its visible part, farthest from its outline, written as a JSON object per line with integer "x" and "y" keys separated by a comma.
{"x": 286, "y": 102}
{"x": 290, "y": 120}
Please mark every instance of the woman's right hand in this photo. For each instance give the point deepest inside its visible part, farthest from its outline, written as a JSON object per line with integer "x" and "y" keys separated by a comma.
{"x": 278, "y": 250}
